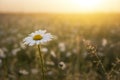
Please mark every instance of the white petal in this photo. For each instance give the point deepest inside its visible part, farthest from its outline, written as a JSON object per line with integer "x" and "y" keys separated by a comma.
{"x": 32, "y": 34}
{"x": 32, "y": 43}
{"x": 46, "y": 37}
{"x": 42, "y": 32}
{"x": 37, "y": 42}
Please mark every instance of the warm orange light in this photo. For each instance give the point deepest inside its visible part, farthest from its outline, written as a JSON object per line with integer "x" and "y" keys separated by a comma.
{"x": 86, "y": 5}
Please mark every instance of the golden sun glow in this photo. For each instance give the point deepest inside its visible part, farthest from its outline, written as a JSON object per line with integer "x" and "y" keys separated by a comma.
{"x": 60, "y": 6}
{"x": 86, "y": 5}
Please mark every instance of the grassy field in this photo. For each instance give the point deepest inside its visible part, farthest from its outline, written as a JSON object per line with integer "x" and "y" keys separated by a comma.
{"x": 85, "y": 43}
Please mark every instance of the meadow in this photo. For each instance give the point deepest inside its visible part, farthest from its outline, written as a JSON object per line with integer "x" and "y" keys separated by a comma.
{"x": 83, "y": 42}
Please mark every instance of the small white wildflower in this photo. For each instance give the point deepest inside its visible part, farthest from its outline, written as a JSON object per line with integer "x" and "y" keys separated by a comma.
{"x": 15, "y": 51}
{"x": 45, "y": 50}
{"x": 22, "y": 45}
{"x": 62, "y": 65}
{"x": 104, "y": 42}
{"x": 53, "y": 54}
{"x": 50, "y": 73}
{"x": 2, "y": 54}
{"x": 34, "y": 71}
{"x": 23, "y": 72}
{"x": 4, "y": 49}
{"x": 0, "y": 62}
{"x": 50, "y": 63}
{"x": 38, "y": 37}
{"x": 61, "y": 46}
{"x": 74, "y": 50}
{"x": 68, "y": 54}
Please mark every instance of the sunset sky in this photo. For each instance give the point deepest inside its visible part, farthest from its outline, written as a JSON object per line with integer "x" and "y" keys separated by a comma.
{"x": 60, "y": 6}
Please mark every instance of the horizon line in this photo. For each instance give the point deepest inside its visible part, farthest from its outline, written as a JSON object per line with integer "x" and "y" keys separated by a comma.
{"x": 42, "y": 12}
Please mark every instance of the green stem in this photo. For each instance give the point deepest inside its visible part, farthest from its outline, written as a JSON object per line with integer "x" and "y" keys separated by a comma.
{"x": 112, "y": 70}
{"x": 103, "y": 68}
{"x": 42, "y": 63}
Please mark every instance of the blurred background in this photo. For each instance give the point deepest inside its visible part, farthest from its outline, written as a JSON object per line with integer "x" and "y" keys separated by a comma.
{"x": 82, "y": 27}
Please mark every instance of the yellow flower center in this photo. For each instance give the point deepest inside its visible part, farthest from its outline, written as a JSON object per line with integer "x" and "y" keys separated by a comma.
{"x": 37, "y": 37}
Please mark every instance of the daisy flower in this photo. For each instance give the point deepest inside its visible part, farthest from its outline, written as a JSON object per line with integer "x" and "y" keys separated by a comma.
{"x": 38, "y": 37}
{"x": 62, "y": 65}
